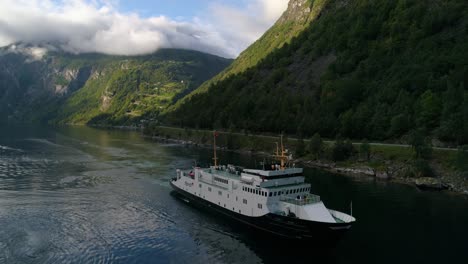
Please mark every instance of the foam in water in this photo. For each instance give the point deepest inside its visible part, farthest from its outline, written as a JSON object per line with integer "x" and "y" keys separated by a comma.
{"x": 10, "y": 149}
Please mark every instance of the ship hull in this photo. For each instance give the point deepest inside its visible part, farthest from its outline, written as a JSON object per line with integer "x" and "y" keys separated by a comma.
{"x": 319, "y": 233}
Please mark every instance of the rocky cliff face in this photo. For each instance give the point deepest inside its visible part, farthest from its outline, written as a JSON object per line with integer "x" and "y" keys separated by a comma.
{"x": 298, "y": 10}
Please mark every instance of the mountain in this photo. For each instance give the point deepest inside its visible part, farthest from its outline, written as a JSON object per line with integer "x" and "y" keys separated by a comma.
{"x": 41, "y": 83}
{"x": 298, "y": 16}
{"x": 373, "y": 69}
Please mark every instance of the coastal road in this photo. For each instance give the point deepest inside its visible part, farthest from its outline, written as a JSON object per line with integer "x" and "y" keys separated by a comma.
{"x": 326, "y": 141}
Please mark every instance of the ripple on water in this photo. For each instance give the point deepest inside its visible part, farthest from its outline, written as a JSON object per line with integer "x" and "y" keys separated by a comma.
{"x": 6, "y": 149}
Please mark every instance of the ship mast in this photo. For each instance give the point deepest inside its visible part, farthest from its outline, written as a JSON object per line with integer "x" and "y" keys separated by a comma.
{"x": 215, "y": 134}
{"x": 282, "y": 157}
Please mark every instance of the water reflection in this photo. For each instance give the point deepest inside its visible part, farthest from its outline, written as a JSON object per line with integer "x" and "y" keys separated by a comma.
{"x": 71, "y": 195}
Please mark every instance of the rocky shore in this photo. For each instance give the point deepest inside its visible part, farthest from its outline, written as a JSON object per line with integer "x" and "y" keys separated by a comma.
{"x": 392, "y": 173}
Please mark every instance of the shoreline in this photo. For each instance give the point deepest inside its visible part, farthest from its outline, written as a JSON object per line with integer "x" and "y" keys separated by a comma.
{"x": 332, "y": 167}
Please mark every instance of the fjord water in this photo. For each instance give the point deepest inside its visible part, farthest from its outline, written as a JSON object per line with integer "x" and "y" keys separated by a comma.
{"x": 83, "y": 195}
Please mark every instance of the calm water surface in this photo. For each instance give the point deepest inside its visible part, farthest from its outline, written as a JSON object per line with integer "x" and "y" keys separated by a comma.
{"x": 82, "y": 195}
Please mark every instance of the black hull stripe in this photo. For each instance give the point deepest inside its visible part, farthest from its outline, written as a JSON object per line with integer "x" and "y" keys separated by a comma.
{"x": 282, "y": 226}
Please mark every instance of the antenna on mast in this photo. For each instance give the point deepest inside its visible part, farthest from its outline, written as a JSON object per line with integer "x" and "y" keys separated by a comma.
{"x": 215, "y": 135}
{"x": 281, "y": 155}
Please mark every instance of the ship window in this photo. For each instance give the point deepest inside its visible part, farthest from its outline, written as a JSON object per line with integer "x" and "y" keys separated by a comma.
{"x": 260, "y": 206}
{"x": 270, "y": 194}
{"x": 220, "y": 193}
{"x": 244, "y": 201}
{"x": 199, "y": 185}
{"x": 228, "y": 195}
{"x": 256, "y": 192}
{"x": 236, "y": 198}
{"x": 287, "y": 191}
{"x": 209, "y": 189}
{"x": 264, "y": 194}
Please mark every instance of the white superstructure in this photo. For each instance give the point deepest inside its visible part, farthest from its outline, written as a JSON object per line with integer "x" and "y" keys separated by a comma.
{"x": 275, "y": 199}
{"x": 255, "y": 193}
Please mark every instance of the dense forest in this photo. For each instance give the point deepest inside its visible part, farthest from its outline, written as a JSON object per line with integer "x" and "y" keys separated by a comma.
{"x": 369, "y": 69}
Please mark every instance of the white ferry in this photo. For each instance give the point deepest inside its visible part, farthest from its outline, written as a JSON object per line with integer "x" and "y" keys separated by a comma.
{"x": 276, "y": 199}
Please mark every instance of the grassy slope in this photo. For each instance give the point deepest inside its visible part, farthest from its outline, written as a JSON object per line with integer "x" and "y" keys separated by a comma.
{"x": 124, "y": 89}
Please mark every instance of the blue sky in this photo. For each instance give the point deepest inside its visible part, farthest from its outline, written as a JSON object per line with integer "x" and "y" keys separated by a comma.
{"x": 176, "y": 9}
{"x": 123, "y": 27}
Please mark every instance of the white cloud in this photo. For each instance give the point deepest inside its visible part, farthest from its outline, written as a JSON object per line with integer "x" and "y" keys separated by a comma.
{"x": 98, "y": 26}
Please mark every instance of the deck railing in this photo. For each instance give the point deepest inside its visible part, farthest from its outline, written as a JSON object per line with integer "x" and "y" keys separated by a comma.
{"x": 302, "y": 199}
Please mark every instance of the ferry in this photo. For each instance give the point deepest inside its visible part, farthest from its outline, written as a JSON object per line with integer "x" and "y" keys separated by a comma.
{"x": 274, "y": 199}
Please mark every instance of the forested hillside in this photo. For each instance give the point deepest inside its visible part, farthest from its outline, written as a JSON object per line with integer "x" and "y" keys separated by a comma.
{"x": 298, "y": 16}
{"x": 59, "y": 87}
{"x": 373, "y": 69}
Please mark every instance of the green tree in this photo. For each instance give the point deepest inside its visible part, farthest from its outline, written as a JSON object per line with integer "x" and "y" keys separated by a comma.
{"x": 342, "y": 150}
{"x": 422, "y": 148}
{"x": 462, "y": 158}
{"x": 399, "y": 125}
{"x": 429, "y": 110}
{"x": 365, "y": 150}
{"x": 300, "y": 148}
{"x": 316, "y": 145}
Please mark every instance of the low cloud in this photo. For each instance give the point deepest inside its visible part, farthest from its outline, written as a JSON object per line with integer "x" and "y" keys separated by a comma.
{"x": 81, "y": 26}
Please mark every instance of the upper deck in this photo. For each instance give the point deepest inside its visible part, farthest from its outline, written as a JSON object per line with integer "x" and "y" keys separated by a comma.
{"x": 275, "y": 173}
